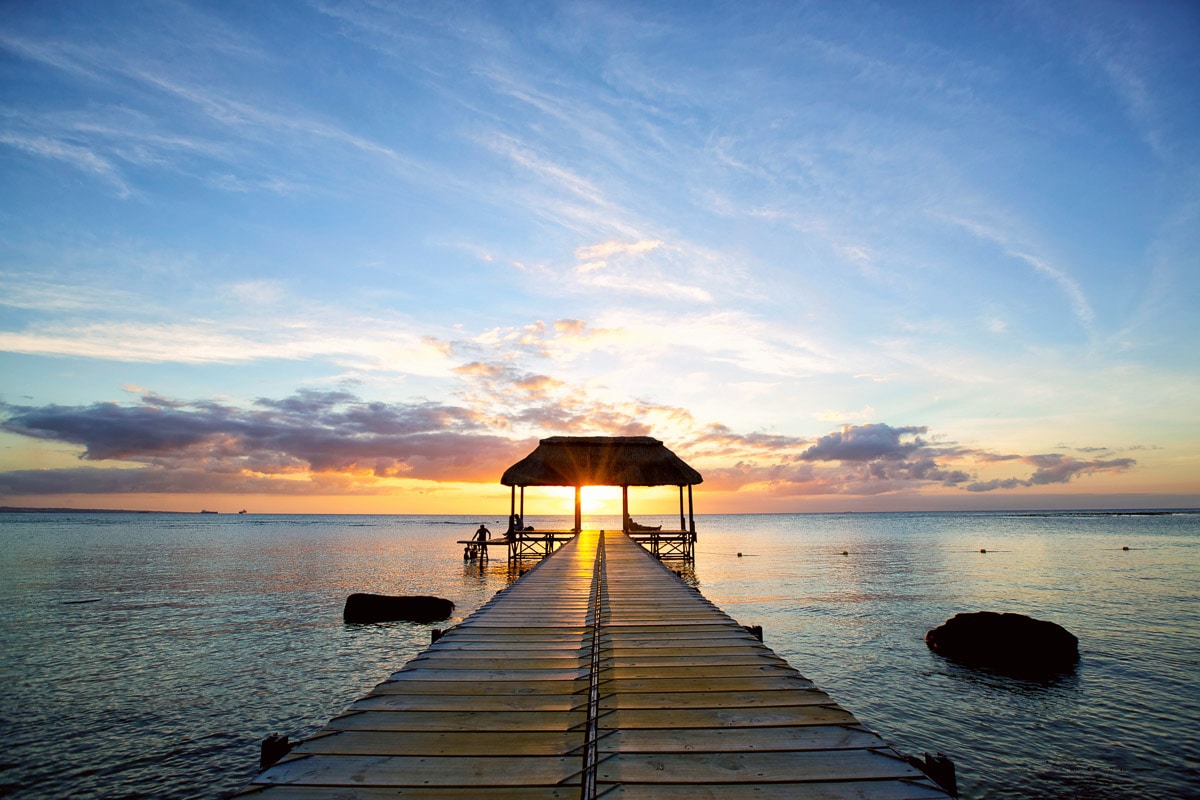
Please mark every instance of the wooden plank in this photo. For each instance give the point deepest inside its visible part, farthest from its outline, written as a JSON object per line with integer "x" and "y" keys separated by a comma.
{"x": 755, "y": 683}
{"x": 292, "y": 792}
{"x": 661, "y": 623}
{"x": 720, "y": 699}
{"x": 455, "y": 660}
{"x": 615, "y": 627}
{"x": 417, "y": 686}
{"x": 796, "y": 767}
{"x": 692, "y": 672}
{"x": 839, "y": 790}
{"x": 494, "y": 649}
{"x": 663, "y": 619}
{"x": 420, "y": 771}
{"x": 576, "y": 620}
{"x": 630, "y": 719}
{"x": 498, "y": 721}
{"x": 467, "y": 638}
{"x": 700, "y": 658}
{"x": 716, "y": 634}
{"x": 550, "y": 605}
{"x": 462, "y": 702}
{"x": 482, "y": 675}
{"x": 442, "y": 743}
{"x": 733, "y": 740}
{"x": 706, "y": 648}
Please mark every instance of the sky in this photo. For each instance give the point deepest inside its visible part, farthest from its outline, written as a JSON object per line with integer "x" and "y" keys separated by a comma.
{"x": 359, "y": 257}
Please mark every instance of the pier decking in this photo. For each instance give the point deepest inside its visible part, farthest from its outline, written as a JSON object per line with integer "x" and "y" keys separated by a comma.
{"x": 597, "y": 674}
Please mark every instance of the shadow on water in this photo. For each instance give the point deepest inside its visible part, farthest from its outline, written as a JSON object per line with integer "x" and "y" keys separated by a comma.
{"x": 686, "y": 572}
{"x": 1027, "y": 685}
{"x": 493, "y": 572}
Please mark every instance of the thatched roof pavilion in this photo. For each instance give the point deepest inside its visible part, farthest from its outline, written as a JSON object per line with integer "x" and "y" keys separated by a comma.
{"x": 605, "y": 461}
{"x": 601, "y": 461}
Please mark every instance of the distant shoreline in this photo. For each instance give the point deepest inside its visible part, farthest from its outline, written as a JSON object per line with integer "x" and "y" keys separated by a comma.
{"x": 1078, "y": 512}
{"x": 36, "y": 510}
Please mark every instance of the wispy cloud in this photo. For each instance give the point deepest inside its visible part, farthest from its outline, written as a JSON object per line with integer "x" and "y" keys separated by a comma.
{"x": 630, "y": 268}
{"x": 52, "y": 53}
{"x": 235, "y": 130}
{"x": 604, "y": 250}
{"x": 201, "y": 341}
{"x": 753, "y": 345}
{"x": 1078, "y": 301}
{"x": 1123, "y": 55}
{"x": 32, "y": 293}
{"x": 77, "y": 156}
{"x": 864, "y": 413}
{"x": 280, "y": 186}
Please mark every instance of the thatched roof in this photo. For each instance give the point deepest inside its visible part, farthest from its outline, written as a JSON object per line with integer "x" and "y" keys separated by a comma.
{"x": 601, "y": 461}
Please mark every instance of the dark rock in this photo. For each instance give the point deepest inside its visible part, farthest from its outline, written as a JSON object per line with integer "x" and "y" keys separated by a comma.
{"x": 1012, "y": 644}
{"x": 382, "y": 608}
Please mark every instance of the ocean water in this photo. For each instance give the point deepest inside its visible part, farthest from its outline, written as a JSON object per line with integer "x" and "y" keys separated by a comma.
{"x": 146, "y": 655}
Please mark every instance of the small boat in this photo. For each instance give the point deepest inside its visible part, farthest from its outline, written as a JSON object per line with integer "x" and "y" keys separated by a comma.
{"x": 206, "y": 511}
{"x": 243, "y": 511}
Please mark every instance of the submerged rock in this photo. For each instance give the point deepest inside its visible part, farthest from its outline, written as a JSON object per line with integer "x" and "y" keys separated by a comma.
{"x": 361, "y": 607}
{"x": 1012, "y": 644}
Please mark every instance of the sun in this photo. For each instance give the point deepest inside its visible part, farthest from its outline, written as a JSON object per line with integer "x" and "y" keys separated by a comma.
{"x": 600, "y": 500}
{"x": 595, "y": 501}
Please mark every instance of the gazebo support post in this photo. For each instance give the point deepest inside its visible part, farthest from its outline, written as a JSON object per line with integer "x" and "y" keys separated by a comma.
{"x": 578, "y": 510}
{"x": 625, "y": 509}
{"x": 682, "y": 526}
{"x": 692, "y": 520}
{"x": 511, "y": 536}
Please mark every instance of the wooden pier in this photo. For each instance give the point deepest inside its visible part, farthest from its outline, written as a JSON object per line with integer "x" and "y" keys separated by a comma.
{"x": 598, "y": 674}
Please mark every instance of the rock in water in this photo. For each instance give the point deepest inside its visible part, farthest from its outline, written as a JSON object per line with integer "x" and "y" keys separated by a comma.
{"x": 1012, "y": 644}
{"x": 361, "y": 607}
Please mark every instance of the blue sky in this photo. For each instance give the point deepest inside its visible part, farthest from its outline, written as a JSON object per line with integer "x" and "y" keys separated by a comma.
{"x": 358, "y": 256}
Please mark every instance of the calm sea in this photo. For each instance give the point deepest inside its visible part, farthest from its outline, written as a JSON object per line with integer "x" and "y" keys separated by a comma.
{"x": 146, "y": 655}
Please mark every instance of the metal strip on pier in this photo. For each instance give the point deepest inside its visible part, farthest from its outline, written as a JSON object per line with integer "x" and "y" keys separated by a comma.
{"x": 591, "y": 737}
{"x": 598, "y": 674}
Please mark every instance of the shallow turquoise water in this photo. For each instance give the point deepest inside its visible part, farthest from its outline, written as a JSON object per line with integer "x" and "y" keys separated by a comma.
{"x": 202, "y": 634}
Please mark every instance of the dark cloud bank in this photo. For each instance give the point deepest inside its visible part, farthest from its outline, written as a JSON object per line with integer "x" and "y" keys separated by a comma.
{"x": 877, "y": 458}
{"x": 336, "y": 443}
{"x": 206, "y": 447}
